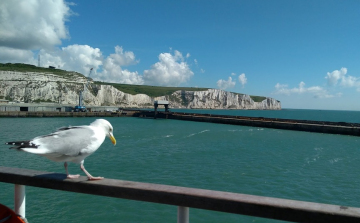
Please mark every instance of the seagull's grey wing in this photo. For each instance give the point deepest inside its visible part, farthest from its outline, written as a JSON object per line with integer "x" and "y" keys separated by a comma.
{"x": 68, "y": 141}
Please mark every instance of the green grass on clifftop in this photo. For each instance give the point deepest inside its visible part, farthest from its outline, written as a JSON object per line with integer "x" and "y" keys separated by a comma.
{"x": 253, "y": 97}
{"x": 20, "y": 67}
{"x": 152, "y": 91}
{"x": 257, "y": 98}
{"x": 157, "y": 91}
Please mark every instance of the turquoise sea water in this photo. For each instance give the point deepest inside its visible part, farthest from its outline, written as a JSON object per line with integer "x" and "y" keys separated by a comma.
{"x": 303, "y": 166}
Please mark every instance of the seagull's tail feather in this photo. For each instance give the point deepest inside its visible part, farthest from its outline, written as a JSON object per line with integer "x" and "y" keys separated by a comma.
{"x": 19, "y": 145}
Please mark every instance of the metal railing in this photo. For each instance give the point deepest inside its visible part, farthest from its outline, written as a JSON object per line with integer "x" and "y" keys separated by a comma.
{"x": 184, "y": 198}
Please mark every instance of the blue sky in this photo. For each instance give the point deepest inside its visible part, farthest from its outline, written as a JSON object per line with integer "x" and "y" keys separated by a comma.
{"x": 303, "y": 53}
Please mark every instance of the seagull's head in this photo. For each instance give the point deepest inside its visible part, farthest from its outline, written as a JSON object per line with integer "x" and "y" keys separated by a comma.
{"x": 107, "y": 127}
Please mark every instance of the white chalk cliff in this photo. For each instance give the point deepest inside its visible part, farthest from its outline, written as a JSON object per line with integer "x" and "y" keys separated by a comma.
{"x": 32, "y": 86}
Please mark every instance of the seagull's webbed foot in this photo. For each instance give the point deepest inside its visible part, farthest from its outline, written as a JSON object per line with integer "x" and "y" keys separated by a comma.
{"x": 88, "y": 174}
{"x": 95, "y": 178}
{"x": 69, "y": 176}
{"x": 73, "y": 176}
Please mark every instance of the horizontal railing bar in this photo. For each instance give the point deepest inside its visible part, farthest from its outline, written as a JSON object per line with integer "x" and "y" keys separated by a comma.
{"x": 266, "y": 207}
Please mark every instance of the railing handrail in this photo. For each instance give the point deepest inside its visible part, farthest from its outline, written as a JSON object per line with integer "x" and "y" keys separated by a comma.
{"x": 259, "y": 206}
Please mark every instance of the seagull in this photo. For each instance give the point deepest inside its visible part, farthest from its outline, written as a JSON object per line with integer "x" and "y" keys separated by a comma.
{"x": 69, "y": 144}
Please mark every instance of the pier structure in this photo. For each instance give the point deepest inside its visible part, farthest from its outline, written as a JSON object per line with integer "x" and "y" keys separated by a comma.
{"x": 182, "y": 197}
{"x": 160, "y": 102}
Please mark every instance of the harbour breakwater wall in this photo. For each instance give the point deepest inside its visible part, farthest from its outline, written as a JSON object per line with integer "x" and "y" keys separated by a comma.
{"x": 53, "y": 114}
{"x": 342, "y": 128}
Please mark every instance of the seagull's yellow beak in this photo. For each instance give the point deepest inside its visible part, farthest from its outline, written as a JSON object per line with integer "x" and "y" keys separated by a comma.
{"x": 112, "y": 138}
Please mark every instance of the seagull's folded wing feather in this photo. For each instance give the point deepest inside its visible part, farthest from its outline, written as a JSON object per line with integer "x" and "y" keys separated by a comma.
{"x": 68, "y": 142}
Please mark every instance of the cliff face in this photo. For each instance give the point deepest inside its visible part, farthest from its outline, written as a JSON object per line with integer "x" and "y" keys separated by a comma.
{"x": 30, "y": 87}
{"x": 219, "y": 99}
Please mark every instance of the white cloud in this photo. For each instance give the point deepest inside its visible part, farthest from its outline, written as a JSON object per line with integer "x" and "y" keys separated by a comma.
{"x": 242, "y": 79}
{"x": 112, "y": 72}
{"x": 340, "y": 76}
{"x": 233, "y": 74}
{"x": 112, "y": 68}
{"x": 195, "y": 61}
{"x": 33, "y": 24}
{"x": 315, "y": 91}
{"x": 335, "y": 76}
{"x": 10, "y": 55}
{"x": 223, "y": 84}
{"x": 202, "y": 70}
{"x": 81, "y": 58}
{"x": 350, "y": 81}
{"x": 78, "y": 58}
{"x": 123, "y": 59}
{"x": 32, "y": 27}
{"x": 171, "y": 70}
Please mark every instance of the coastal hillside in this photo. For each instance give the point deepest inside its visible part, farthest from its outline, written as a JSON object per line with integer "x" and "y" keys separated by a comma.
{"x": 31, "y": 84}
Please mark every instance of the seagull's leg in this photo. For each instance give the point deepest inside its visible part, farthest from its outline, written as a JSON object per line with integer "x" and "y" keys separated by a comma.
{"x": 67, "y": 172}
{"x": 88, "y": 174}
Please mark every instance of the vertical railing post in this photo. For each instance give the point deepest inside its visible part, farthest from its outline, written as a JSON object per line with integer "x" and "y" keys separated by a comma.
{"x": 183, "y": 215}
{"x": 20, "y": 200}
